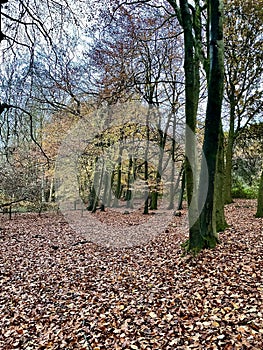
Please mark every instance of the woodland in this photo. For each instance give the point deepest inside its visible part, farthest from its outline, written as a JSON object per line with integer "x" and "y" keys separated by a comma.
{"x": 131, "y": 181}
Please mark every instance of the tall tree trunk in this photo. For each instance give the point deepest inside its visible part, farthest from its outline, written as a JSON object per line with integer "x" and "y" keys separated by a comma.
{"x": 146, "y": 170}
{"x": 192, "y": 87}
{"x": 219, "y": 185}
{"x": 156, "y": 190}
{"x": 158, "y": 175}
{"x": 181, "y": 196}
{"x": 119, "y": 172}
{"x": 100, "y": 177}
{"x": 130, "y": 181}
{"x": 106, "y": 198}
{"x": 173, "y": 186}
{"x": 208, "y": 234}
{"x": 51, "y": 190}
{"x": 259, "y": 213}
{"x": 229, "y": 154}
{"x": 93, "y": 200}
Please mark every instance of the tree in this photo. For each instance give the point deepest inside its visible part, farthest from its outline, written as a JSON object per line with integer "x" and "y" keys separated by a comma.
{"x": 140, "y": 58}
{"x": 196, "y": 19}
{"x": 37, "y": 37}
{"x": 243, "y": 74}
{"x": 21, "y": 174}
{"x": 188, "y": 20}
{"x": 208, "y": 237}
{"x": 143, "y": 59}
{"x": 38, "y": 73}
{"x": 247, "y": 161}
{"x": 219, "y": 200}
{"x": 202, "y": 232}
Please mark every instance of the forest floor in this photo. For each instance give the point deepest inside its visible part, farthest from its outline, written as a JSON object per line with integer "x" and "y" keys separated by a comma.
{"x": 60, "y": 291}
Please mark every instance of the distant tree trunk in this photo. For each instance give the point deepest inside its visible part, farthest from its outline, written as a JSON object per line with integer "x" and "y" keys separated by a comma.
{"x": 208, "y": 236}
{"x": 100, "y": 176}
{"x": 154, "y": 198}
{"x": 119, "y": 172}
{"x": 146, "y": 190}
{"x": 259, "y": 213}
{"x": 173, "y": 186}
{"x": 158, "y": 177}
{"x": 146, "y": 168}
{"x": 130, "y": 180}
{"x": 43, "y": 187}
{"x": 51, "y": 190}
{"x": 229, "y": 154}
{"x": 134, "y": 176}
{"x": 180, "y": 200}
{"x": 219, "y": 185}
{"x": 106, "y": 198}
{"x": 93, "y": 198}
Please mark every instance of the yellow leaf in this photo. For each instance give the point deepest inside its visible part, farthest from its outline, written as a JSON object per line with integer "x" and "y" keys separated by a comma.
{"x": 168, "y": 317}
{"x": 236, "y": 306}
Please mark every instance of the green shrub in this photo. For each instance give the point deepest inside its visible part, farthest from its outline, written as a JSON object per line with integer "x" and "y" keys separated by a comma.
{"x": 35, "y": 207}
{"x": 244, "y": 192}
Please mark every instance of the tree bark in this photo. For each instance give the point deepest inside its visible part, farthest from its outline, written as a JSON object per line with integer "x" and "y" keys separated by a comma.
{"x": 146, "y": 165}
{"x": 130, "y": 181}
{"x": 208, "y": 234}
{"x": 158, "y": 175}
{"x": 181, "y": 196}
{"x": 259, "y": 213}
{"x": 192, "y": 87}
{"x": 106, "y": 198}
{"x": 93, "y": 197}
{"x": 119, "y": 173}
{"x": 173, "y": 186}
{"x": 229, "y": 154}
{"x": 218, "y": 210}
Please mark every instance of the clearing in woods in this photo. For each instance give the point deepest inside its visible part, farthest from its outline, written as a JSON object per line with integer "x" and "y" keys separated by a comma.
{"x": 60, "y": 291}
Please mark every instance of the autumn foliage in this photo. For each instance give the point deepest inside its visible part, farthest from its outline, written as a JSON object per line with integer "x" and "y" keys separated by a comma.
{"x": 60, "y": 291}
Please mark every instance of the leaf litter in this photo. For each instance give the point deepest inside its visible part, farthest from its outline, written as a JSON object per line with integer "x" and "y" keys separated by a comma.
{"x": 59, "y": 291}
